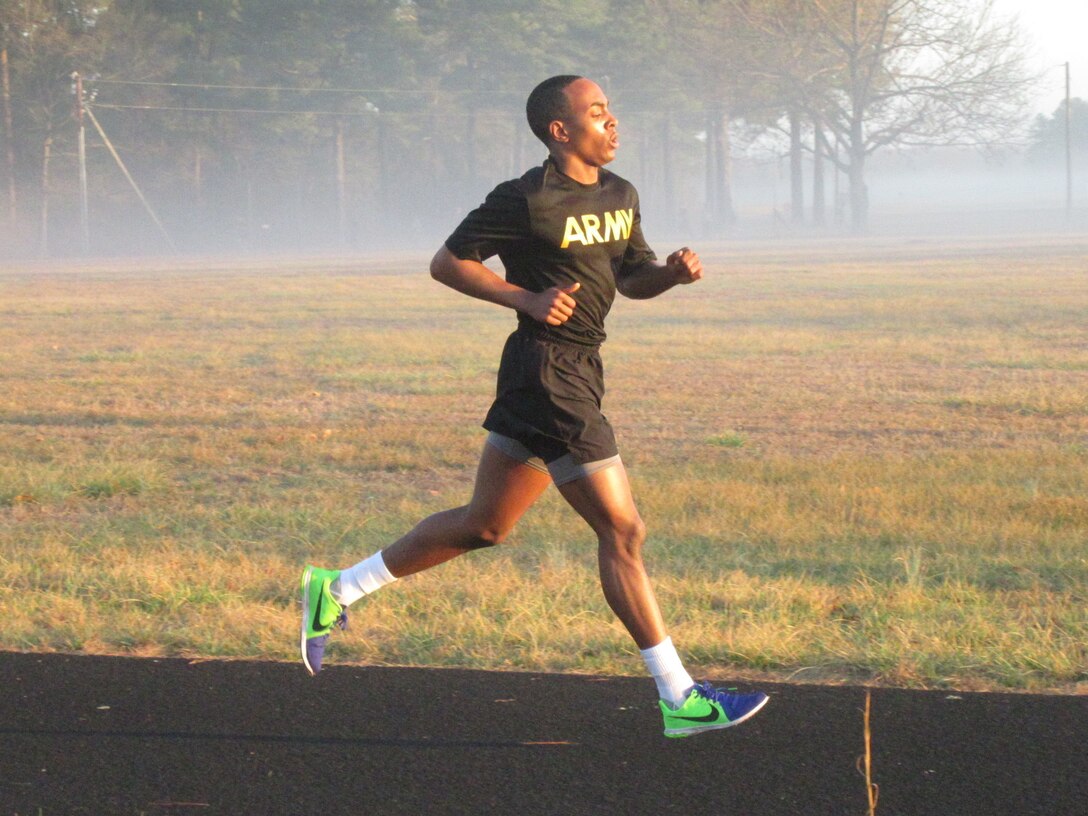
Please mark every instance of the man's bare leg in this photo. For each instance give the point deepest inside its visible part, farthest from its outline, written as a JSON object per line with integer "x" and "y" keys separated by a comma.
{"x": 604, "y": 500}
{"x": 505, "y": 489}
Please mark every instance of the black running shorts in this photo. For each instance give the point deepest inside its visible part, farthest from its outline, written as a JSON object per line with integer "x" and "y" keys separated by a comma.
{"x": 549, "y": 399}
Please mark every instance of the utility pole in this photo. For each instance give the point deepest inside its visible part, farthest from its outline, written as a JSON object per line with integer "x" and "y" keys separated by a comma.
{"x": 666, "y": 168}
{"x": 9, "y": 131}
{"x": 711, "y": 187}
{"x": 818, "y": 203}
{"x": 1068, "y": 150}
{"x": 47, "y": 153}
{"x": 341, "y": 188}
{"x": 84, "y": 227}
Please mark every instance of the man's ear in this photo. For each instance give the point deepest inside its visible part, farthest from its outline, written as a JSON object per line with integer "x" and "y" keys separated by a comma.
{"x": 558, "y": 132}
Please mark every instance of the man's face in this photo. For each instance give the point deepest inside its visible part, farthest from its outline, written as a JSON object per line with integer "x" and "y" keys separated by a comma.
{"x": 589, "y": 127}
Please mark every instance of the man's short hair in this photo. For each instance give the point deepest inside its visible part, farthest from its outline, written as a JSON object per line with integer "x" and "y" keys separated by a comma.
{"x": 547, "y": 103}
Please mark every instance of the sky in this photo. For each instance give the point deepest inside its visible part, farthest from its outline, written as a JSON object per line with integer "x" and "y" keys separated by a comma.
{"x": 1058, "y": 30}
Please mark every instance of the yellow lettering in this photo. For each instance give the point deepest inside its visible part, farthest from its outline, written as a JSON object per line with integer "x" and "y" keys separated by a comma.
{"x": 628, "y": 217}
{"x": 587, "y": 230}
{"x": 592, "y": 226}
{"x": 573, "y": 232}
{"x": 615, "y": 225}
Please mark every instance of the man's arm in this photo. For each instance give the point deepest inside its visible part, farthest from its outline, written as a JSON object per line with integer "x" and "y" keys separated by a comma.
{"x": 553, "y": 306}
{"x": 652, "y": 278}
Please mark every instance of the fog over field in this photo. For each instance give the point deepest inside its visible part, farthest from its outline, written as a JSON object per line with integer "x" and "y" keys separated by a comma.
{"x": 946, "y": 192}
{"x": 253, "y": 129}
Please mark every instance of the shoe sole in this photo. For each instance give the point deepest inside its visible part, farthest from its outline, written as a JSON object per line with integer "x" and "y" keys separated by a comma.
{"x": 305, "y": 592}
{"x": 698, "y": 729}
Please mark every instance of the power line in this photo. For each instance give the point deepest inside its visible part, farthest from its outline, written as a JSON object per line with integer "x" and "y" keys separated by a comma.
{"x": 128, "y": 176}
{"x": 208, "y": 86}
{"x": 106, "y": 106}
{"x": 284, "y": 112}
{"x": 499, "y": 114}
{"x": 371, "y": 109}
{"x": 290, "y": 89}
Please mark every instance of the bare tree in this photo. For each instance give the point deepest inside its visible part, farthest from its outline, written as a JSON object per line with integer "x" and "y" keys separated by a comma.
{"x": 787, "y": 63}
{"x": 920, "y": 72}
{"x": 875, "y": 73}
{"x": 709, "y": 71}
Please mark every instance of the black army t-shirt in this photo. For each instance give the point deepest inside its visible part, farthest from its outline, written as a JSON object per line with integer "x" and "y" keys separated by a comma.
{"x": 550, "y": 230}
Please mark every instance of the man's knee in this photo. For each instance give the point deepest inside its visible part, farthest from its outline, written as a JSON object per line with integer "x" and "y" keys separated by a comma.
{"x": 625, "y": 538}
{"x": 479, "y": 534}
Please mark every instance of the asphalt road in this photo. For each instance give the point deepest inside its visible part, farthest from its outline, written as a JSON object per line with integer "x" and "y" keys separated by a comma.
{"x": 98, "y": 735}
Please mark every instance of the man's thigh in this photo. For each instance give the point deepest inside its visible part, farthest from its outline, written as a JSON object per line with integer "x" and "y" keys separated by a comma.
{"x": 505, "y": 488}
{"x": 604, "y": 499}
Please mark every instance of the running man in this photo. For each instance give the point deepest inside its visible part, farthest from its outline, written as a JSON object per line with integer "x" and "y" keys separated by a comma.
{"x": 569, "y": 236}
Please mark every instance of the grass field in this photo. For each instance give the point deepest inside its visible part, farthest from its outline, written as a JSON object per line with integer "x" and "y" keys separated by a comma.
{"x": 860, "y": 463}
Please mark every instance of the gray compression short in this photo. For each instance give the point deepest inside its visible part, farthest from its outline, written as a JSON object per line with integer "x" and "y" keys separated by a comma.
{"x": 562, "y": 470}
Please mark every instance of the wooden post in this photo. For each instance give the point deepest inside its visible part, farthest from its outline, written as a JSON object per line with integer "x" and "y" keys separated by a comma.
{"x": 711, "y": 187}
{"x": 198, "y": 179}
{"x": 84, "y": 225}
{"x": 341, "y": 187}
{"x": 47, "y": 149}
{"x": 666, "y": 168}
{"x": 1068, "y": 150}
{"x": 9, "y": 131}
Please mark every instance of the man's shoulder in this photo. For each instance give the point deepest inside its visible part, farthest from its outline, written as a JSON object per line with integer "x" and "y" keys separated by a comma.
{"x": 545, "y": 178}
{"x": 532, "y": 181}
{"x": 511, "y": 188}
{"x": 610, "y": 180}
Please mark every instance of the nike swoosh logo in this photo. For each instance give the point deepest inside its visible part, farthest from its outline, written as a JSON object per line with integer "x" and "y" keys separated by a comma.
{"x": 317, "y": 612}
{"x": 710, "y": 717}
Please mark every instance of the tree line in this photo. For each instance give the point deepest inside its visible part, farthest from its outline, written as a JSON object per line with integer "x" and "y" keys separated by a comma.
{"x": 253, "y": 124}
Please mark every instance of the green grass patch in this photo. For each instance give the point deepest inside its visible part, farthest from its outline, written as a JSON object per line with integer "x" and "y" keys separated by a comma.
{"x": 727, "y": 440}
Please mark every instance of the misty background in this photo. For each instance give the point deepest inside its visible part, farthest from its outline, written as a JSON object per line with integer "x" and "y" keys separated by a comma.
{"x": 375, "y": 125}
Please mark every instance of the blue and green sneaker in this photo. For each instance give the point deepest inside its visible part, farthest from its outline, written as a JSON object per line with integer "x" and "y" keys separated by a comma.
{"x": 708, "y": 708}
{"x": 320, "y": 613}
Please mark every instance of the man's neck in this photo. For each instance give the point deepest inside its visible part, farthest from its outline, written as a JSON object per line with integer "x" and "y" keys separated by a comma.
{"x": 575, "y": 169}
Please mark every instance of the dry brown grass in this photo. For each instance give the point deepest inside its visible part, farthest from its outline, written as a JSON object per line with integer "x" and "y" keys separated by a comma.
{"x": 867, "y": 461}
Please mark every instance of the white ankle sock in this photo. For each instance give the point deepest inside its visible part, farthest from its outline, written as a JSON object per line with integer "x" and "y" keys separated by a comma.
{"x": 362, "y": 579}
{"x": 673, "y": 682}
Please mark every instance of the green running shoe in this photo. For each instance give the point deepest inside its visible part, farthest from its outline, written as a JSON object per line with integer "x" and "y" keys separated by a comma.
{"x": 708, "y": 708}
{"x": 320, "y": 612}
